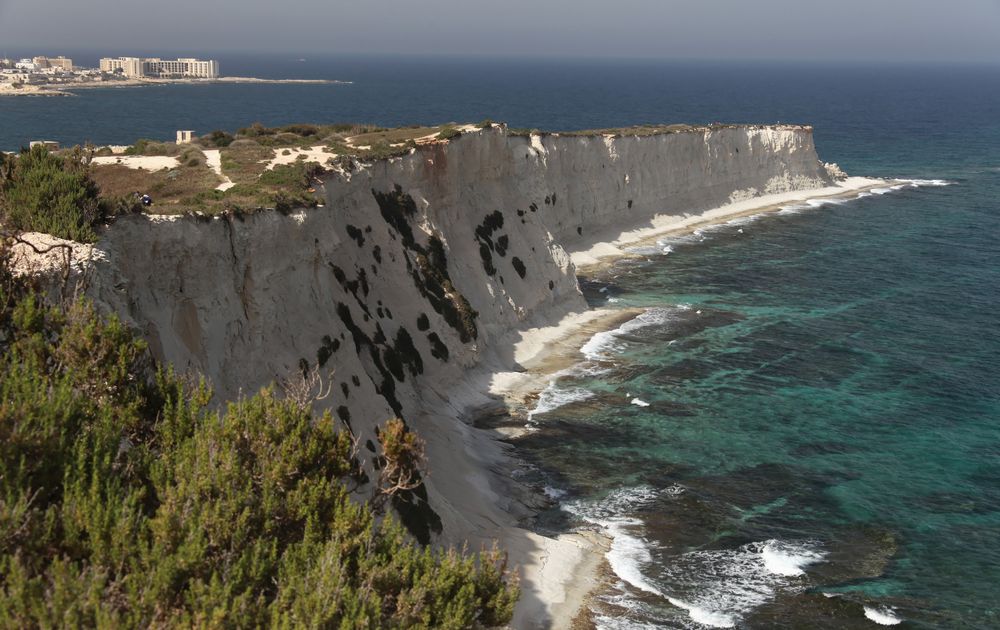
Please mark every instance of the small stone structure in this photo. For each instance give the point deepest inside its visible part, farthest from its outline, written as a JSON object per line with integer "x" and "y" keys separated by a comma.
{"x": 184, "y": 136}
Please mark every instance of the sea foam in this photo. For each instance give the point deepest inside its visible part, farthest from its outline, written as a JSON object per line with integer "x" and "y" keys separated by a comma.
{"x": 720, "y": 586}
{"x": 882, "y": 616}
{"x": 602, "y": 344}
{"x": 716, "y": 587}
{"x": 705, "y": 616}
{"x": 629, "y": 552}
{"x": 787, "y": 559}
{"x": 927, "y": 182}
{"x": 553, "y": 397}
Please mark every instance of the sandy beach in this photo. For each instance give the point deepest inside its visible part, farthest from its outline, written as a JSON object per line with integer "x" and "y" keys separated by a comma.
{"x": 608, "y": 246}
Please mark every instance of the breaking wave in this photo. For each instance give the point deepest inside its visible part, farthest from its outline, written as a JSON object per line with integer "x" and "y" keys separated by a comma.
{"x": 719, "y": 587}
{"x": 553, "y": 397}
{"x": 602, "y": 344}
{"x": 787, "y": 559}
{"x": 882, "y": 616}
{"x": 716, "y": 587}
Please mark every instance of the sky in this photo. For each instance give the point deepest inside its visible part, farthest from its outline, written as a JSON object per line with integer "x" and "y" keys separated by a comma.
{"x": 800, "y": 30}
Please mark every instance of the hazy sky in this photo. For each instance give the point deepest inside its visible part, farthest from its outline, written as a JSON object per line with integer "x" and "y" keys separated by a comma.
{"x": 886, "y": 30}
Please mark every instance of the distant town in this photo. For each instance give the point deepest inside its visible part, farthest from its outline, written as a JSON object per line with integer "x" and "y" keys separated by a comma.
{"x": 55, "y": 75}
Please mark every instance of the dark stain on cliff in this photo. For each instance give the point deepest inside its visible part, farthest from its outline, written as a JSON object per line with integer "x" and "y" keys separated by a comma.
{"x": 484, "y": 234}
{"x": 356, "y": 234}
{"x": 519, "y": 266}
{"x": 327, "y": 348}
{"x": 397, "y": 209}
{"x": 429, "y": 266}
{"x": 438, "y": 350}
{"x": 417, "y": 515}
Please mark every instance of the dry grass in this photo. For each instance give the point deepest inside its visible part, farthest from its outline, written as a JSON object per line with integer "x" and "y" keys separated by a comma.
{"x": 394, "y": 136}
{"x": 245, "y": 160}
{"x": 655, "y": 130}
{"x": 635, "y": 130}
{"x": 172, "y": 190}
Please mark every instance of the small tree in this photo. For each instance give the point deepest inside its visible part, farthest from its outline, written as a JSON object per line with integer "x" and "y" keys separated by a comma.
{"x": 126, "y": 501}
{"x": 43, "y": 192}
{"x": 401, "y": 462}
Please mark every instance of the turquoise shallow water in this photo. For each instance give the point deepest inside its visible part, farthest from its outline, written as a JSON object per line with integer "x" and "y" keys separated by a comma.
{"x": 804, "y": 423}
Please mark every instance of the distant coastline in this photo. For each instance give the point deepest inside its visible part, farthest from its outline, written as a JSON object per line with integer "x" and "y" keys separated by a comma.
{"x": 64, "y": 89}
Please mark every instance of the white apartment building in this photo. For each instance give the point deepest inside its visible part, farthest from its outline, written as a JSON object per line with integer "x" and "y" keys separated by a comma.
{"x": 129, "y": 66}
{"x": 58, "y": 63}
{"x": 136, "y": 67}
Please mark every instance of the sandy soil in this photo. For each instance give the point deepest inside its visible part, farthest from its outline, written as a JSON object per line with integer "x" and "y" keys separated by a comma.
{"x": 313, "y": 154}
{"x": 608, "y": 246}
{"x": 214, "y": 160}
{"x": 144, "y": 162}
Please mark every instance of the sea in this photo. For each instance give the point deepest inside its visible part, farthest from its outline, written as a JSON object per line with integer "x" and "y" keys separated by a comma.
{"x": 802, "y": 427}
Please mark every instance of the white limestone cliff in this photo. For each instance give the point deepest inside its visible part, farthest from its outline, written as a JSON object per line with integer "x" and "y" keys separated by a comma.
{"x": 411, "y": 284}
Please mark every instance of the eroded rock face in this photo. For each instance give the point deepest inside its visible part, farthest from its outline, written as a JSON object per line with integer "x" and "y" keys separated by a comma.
{"x": 419, "y": 269}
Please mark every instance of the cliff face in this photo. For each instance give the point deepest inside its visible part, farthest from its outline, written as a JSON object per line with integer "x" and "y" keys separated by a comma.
{"x": 419, "y": 269}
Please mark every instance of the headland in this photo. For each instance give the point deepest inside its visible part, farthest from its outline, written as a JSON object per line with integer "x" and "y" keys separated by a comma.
{"x": 450, "y": 253}
{"x": 58, "y": 76}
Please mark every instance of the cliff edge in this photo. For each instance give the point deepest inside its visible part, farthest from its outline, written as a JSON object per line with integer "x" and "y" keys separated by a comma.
{"x": 408, "y": 289}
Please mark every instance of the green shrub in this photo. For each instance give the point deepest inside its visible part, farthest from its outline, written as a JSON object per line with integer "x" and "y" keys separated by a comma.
{"x": 192, "y": 157}
{"x": 448, "y": 132}
{"x": 152, "y": 147}
{"x": 42, "y": 192}
{"x": 127, "y": 501}
{"x": 255, "y": 130}
{"x": 296, "y": 175}
{"x": 301, "y": 130}
{"x": 216, "y": 139}
{"x": 382, "y": 150}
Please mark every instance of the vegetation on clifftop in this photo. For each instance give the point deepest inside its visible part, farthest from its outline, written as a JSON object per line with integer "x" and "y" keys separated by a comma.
{"x": 43, "y": 192}
{"x": 271, "y": 167}
{"x": 126, "y": 500}
{"x": 257, "y": 168}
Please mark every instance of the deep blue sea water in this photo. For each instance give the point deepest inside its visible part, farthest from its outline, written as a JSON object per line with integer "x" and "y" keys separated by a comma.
{"x": 822, "y": 432}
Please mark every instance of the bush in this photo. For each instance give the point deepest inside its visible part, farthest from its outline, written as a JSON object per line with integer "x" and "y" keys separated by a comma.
{"x": 301, "y": 130}
{"x": 447, "y": 133}
{"x": 152, "y": 147}
{"x": 42, "y": 192}
{"x": 296, "y": 175}
{"x": 126, "y": 501}
{"x": 256, "y": 130}
{"x": 382, "y": 150}
{"x": 217, "y": 139}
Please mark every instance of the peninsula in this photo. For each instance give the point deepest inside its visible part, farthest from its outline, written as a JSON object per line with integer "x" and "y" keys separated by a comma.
{"x": 58, "y": 76}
